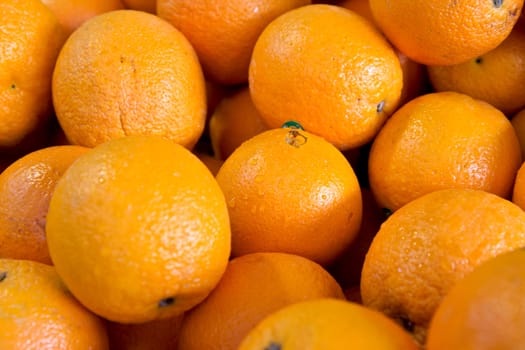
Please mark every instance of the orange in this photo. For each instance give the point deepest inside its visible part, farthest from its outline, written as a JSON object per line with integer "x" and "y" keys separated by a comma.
{"x": 328, "y": 68}
{"x": 518, "y": 122}
{"x": 72, "y": 13}
{"x": 431, "y": 243}
{"x": 138, "y": 229}
{"x": 485, "y": 309}
{"x": 154, "y": 335}
{"x": 441, "y": 32}
{"x": 234, "y": 121}
{"x": 224, "y": 32}
{"x": 415, "y": 77}
{"x": 26, "y": 187}
{"x": 252, "y": 287}
{"x": 30, "y": 40}
{"x": 347, "y": 267}
{"x": 443, "y": 140}
{"x": 38, "y": 312}
{"x": 518, "y": 191}
{"x": 327, "y": 324}
{"x": 141, "y": 5}
{"x": 290, "y": 191}
{"x": 496, "y": 76}
{"x": 128, "y": 72}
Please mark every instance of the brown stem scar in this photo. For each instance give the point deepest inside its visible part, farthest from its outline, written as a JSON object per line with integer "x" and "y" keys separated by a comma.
{"x": 295, "y": 138}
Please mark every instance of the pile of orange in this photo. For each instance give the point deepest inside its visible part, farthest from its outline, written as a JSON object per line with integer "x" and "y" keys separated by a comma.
{"x": 278, "y": 174}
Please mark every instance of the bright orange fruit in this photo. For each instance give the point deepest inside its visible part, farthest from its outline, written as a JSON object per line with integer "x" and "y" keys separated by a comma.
{"x": 30, "y": 40}
{"x": 38, "y": 312}
{"x": 327, "y": 324}
{"x": 329, "y": 69}
{"x": 138, "y": 229}
{"x": 129, "y": 72}
{"x": 443, "y": 140}
{"x": 253, "y": 286}
{"x": 485, "y": 309}
{"x": 290, "y": 191}
{"x": 234, "y": 120}
{"x": 496, "y": 77}
{"x": 424, "y": 248}
{"x": 26, "y": 187}
{"x": 441, "y": 32}
{"x": 224, "y": 32}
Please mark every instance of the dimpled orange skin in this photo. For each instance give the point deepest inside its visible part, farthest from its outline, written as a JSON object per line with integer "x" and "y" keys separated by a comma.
{"x": 443, "y": 32}
{"x": 129, "y": 72}
{"x": 224, "y": 32}
{"x": 442, "y": 140}
{"x": 30, "y": 40}
{"x": 484, "y": 310}
{"x": 38, "y": 312}
{"x": 496, "y": 77}
{"x": 234, "y": 121}
{"x": 142, "y": 222}
{"x": 429, "y": 244}
{"x": 26, "y": 187}
{"x": 415, "y": 79}
{"x": 327, "y": 324}
{"x": 303, "y": 200}
{"x": 253, "y": 286}
{"x": 330, "y": 70}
